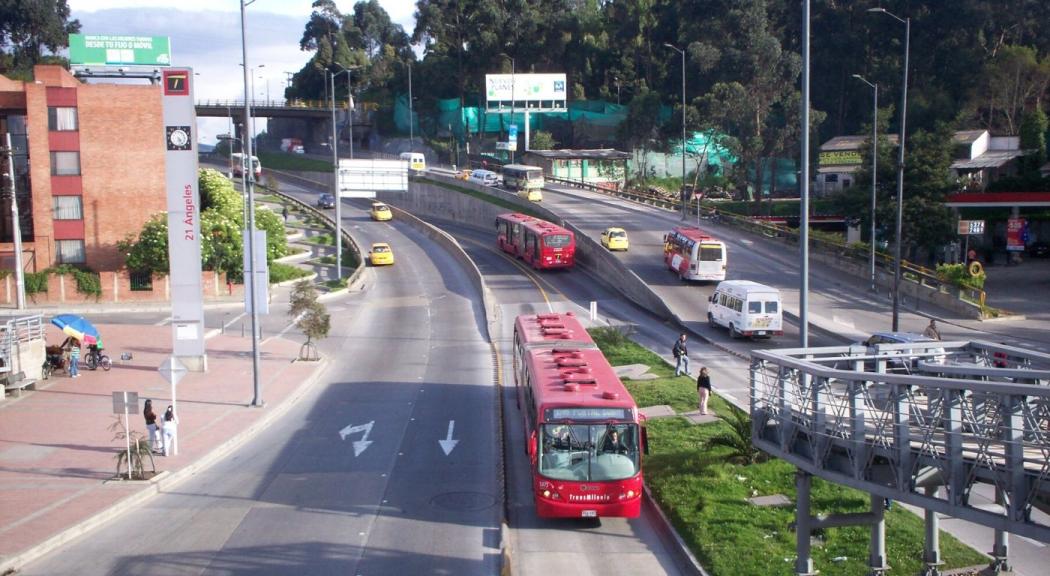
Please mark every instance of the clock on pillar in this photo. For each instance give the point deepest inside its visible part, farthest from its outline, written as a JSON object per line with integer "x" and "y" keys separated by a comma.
{"x": 178, "y": 137}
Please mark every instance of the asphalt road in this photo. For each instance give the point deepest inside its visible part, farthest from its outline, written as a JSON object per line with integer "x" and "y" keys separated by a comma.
{"x": 409, "y": 370}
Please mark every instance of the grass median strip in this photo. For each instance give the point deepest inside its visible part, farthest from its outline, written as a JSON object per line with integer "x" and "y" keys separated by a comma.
{"x": 704, "y": 488}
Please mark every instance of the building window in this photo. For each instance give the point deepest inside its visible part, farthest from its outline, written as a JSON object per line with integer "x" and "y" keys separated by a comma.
{"x": 68, "y": 207}
{"x": 62, "y": 119}
{"x": 70, "y": 251}
{"x": 65, "y": 163}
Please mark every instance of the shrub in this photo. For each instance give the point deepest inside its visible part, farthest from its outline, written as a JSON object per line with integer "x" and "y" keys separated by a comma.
{"x": 282, "y": 272}
{"x": 36, "y": 282}
{"x": 959, "y": 275}
{"x": 88, "y": 281}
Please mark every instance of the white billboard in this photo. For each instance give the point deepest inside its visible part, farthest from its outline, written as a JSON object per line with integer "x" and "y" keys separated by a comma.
{"x": 525, "y": 87}
{"x": 363, "y": 178}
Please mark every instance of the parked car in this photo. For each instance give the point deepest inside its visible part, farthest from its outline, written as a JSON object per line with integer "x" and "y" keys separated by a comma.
{"x": 381, "y": 254}
{"x": 326, "y": 200}
{"x": 1040, "y": 249}
{"x": 615, "y": 239}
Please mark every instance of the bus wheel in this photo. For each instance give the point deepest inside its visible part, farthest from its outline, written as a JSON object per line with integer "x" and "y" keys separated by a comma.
{"x": 711, "y": 320}
{"x": 733, "y": 333}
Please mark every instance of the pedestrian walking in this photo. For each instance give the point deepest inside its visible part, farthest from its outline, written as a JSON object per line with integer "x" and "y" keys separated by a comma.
{"x": 681, "y": 356}
{"x": 171, "y": 430}
{"x": 151, "y": 425}
{"x": 74, "y": 359}
{"x": 931, "y": 331}
{"x": 703, "y": 388}
{"x": 284, "y": 213}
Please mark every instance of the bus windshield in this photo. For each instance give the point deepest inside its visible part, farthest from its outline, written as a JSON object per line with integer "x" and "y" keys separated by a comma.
{"x": 589, "y": 452}
{"x": 556, "y": 240}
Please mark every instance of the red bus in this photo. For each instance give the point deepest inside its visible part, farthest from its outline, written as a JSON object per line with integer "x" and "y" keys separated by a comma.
{"x": 695, "y": 255}
{"x": 537, "y": 242}
{"x": 583, "y": 433}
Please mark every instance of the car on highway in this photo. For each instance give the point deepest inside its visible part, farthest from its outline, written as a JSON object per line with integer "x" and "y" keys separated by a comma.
{"x": 614, "y": 238}
{"x": 1040, "y": 249}
{"x": 381, "y": 254}
{"x": 380, "y": 212}
{"x": 326, "y": 200}
{"x": 908, "y": 359}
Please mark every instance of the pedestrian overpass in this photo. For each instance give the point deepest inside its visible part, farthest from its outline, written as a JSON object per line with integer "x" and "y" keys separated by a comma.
{"x": 921, "y": 423}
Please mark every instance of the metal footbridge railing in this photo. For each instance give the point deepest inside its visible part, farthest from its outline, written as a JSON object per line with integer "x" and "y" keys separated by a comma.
{"x": 922, "y": 423}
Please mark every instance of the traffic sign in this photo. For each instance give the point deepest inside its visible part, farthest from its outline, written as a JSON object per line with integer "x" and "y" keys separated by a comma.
{"x": 172, "y": 370}
{"x": 125, "y": 402}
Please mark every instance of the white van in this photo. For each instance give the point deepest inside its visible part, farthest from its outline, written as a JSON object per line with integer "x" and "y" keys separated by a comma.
{"x": 416, "y": 161}
{"x": 484, "y": 177}
{"x": 747, "y": 308}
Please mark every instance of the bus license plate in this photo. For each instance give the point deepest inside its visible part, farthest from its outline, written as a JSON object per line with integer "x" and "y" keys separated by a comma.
{"x": 589, "y": 514}
{"x": 760, "y": 333}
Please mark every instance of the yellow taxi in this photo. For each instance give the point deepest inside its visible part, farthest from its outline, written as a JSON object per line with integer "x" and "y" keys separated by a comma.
{"x": 380, "y": 212}
{"x": 615, "y": 239}
{"x": 381, "y": 254}
{"x": 531, "y": 194}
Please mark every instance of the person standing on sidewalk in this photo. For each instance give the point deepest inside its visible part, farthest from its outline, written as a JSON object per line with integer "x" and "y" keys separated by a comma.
{"x": 703, "y": 388}
{"x": 151, "y": 425}
{"x": 74, "y": 359}
{"x": 681, "y": 356}
{"x": 171, "y": 425}
{"x": 931, "y": 331}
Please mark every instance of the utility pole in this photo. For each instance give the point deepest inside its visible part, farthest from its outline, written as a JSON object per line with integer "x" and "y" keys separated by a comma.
{"x": 15, "y": 223}
{"x": 249, "y": 178}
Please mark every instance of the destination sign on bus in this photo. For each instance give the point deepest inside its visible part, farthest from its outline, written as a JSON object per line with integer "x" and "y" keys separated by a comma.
{"x": 580, "y": 413}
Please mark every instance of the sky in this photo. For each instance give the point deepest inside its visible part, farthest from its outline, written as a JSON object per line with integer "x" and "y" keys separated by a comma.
{"x": 206, "y": 36}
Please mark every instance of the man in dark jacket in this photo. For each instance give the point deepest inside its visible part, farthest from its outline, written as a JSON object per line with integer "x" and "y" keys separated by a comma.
{"x": 681, "y": 356}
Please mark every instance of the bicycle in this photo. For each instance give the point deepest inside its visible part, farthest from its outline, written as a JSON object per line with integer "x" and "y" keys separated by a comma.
{"x": 95, "y": 358}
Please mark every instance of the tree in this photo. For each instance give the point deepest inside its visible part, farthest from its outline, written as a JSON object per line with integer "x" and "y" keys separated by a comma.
{"x": 1033, "y": 137}
{"x": 311, "y": 317}
{"x": 149, "y": 250}
{"x": 28, "y": 28}
{"x": 1013, "y": 81}
{"x": 542, "y": 141}
{"x": 642, "y": 124}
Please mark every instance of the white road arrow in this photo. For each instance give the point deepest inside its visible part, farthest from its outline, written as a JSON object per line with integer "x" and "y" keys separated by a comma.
{"x": 364, "y": 442}
{"x": 448, "y": 444}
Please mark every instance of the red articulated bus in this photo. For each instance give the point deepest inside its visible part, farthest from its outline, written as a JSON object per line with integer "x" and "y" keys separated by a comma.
{"x": 583, "y": 433}
{"x": 695, "y": 255}
{"x": 537, "y": 242}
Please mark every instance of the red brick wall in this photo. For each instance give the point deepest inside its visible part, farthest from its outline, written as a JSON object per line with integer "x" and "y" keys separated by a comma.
{"x": 116, "y": 289}
{"x": 122, "y": 162}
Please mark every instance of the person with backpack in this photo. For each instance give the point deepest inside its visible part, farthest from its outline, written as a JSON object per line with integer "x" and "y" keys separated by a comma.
{"x": 681, "y": 356}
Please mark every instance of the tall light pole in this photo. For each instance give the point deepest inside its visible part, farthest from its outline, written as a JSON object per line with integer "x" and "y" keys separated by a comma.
{"x": 803, "y": 228}
{"x": 900, "y": 167}
{"x": 16, "y": 223}
{"x": 335, "y": 171}
{"x": 246, "y": 145}
{"x": 874, "y": 167}
{"x": 411, "y": 118}
{"x": 681, "y": 192}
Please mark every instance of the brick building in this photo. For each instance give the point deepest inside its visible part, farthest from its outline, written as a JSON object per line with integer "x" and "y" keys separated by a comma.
{"x": 89, "y": 163}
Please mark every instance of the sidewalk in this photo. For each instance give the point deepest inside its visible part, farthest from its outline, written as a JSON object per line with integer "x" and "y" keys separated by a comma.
{"x": 57, "y": 455}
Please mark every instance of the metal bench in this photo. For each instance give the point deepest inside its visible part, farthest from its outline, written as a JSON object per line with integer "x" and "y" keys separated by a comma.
{"x": 15, "y": 383}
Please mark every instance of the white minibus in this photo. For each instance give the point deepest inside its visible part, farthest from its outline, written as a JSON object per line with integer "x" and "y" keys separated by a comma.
{"x": 484, "y": 177}
{"x": 747, "y": 308}
{"x": 416, "y": 161}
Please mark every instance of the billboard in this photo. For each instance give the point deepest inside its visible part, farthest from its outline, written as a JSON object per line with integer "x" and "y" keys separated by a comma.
{"x": 103, "y": 50}
{"x": 363, "y": 178}
{"x": 525, "y": 88}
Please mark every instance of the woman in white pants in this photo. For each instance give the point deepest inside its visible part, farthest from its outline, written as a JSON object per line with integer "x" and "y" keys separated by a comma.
{"x": 171, "y": 426}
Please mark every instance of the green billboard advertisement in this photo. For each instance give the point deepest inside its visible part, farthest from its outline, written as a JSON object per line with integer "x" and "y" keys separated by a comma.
{"x": 103, "y": 50}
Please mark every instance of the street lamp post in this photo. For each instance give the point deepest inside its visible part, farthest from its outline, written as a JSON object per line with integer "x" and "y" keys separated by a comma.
{"x": 682, "y": 192}
{"x": 411, "y": 118}
{"x": 900, "y": 167}
{"x": 874, "y": 167}
{"x": 246, "y": 146}
{"x": 335, "y": 171}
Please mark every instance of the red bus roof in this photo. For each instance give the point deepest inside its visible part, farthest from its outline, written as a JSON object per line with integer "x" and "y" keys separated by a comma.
{"x": 580, "y": 378}
{"x": 556, "y": 330}
{"x": 695, "y": 234}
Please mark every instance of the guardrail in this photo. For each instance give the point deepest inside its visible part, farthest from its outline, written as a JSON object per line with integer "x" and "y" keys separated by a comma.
{"x": 920, "y": 277}
{"x": 920, "y": 439}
